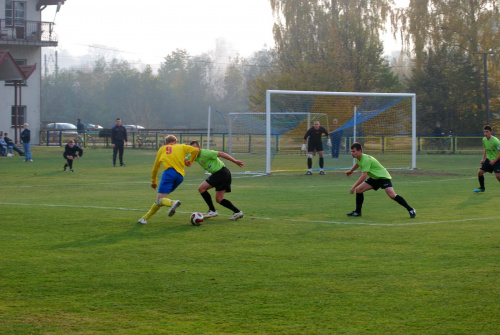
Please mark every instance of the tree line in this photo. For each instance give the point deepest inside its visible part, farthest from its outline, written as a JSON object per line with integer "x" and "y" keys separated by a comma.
{"x": 320, "y": 45}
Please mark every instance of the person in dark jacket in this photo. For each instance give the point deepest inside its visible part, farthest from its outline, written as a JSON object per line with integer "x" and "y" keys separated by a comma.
{"x": 118, "y": 141}
{"x": 26, "y": 138}
{"x": 71, "y": 151}
{"x": 11, "y": 146}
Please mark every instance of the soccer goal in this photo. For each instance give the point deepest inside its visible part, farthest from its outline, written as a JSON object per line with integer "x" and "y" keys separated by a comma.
{"x": 269, "y": 137}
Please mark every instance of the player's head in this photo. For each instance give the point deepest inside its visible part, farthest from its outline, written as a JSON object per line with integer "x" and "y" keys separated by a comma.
{"x": 118, "y": 121}
{"x": 316, "y": 124}
{"x": 195, "y": 144}
{"x": 487, "y": 130}
{"x": 356, "y": 150}
{"x": 26, "y": 126}
{"x": 6, "y": 134}
{"x": 71, "y": 143}
{"x": 170, "y": 139}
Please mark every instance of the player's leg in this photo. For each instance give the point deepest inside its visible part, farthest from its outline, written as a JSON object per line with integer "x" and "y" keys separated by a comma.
{"x": 120, "y": 153}
{"x": 203, "y": 189}
{"x": 115, "y": 152}
{"x": 309, "y": 162}
{"x": 400, "y": 200}
{"x": 360, "y": 198}
{"x": 480, "y": 178}
{"x": 321, "y": 162}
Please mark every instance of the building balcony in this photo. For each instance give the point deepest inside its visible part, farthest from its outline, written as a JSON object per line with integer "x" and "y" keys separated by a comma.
{"x": 30, "y": 33}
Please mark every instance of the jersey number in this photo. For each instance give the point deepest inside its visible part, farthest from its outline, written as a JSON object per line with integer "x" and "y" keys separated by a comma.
{"x": 168, "y": 150}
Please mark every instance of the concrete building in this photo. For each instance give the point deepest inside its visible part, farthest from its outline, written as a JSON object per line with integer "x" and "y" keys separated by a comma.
{"x": 23, "y": 34}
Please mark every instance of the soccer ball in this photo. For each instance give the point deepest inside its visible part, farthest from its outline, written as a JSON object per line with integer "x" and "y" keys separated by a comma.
{"x": 196, "y": 218}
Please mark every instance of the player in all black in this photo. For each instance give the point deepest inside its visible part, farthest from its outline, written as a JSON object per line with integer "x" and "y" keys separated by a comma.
{"x": 71, "y": 151}
{"x": 315, "y": 143}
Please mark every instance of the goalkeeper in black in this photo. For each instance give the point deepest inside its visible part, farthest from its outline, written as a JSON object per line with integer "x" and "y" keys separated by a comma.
{"x": 71, "y": 151}
{"x": 315, "y": 144}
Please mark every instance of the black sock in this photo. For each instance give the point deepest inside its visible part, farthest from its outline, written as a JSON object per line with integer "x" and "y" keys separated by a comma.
{"x": 400, "y": 200}
{"x": 360, "y": 197}
{"x": 481, "y": 181}
{"x": 321, "y": 162}
{"x": 208, "y": 199}
{"x": 226, "y": 203}
{"x": 309, "y": 162}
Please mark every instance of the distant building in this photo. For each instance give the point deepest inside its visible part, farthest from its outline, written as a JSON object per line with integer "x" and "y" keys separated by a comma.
{"x": 22, "y": 36}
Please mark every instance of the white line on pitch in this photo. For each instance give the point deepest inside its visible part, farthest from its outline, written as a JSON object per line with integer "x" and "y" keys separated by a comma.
{"x": 413, "y": 223}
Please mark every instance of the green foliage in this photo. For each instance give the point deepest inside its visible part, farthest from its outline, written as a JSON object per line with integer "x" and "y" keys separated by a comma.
{"x": 74, "y": 260}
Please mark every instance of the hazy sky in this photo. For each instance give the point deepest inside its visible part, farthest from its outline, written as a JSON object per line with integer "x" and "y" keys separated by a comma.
{"x": 149, "y": 30}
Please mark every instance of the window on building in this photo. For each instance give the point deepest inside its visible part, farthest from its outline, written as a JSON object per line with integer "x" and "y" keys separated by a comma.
{"x": 18, "y": 62}
{"x": 15, "y": 13}
{"x": 21, "y": 115}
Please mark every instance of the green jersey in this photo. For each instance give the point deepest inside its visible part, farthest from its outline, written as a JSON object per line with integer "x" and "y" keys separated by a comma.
{"x": 209, "y": 160}
{"x": 492, "y": 146}
{"x": 372, "y": 166}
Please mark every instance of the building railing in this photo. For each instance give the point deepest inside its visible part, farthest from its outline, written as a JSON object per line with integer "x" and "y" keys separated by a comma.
{"x": 27, "y": 32}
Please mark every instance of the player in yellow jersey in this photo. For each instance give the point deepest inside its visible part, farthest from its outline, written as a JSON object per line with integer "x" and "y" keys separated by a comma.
{"x": 171, "y": 155}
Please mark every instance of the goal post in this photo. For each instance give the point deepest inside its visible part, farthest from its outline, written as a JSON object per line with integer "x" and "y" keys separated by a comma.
{"x": 268, "y": 138}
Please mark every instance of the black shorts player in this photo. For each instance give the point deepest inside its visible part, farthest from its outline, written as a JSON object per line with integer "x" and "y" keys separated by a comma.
{"x": 221, "y": 180}
{"x": 315, "y": 144}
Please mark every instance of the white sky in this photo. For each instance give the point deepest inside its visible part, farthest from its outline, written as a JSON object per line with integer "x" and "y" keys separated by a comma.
{"x": 149, "y": 30}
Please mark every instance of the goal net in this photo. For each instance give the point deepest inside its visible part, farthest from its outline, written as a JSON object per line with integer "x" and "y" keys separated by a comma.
{"x": 269, "y": 137}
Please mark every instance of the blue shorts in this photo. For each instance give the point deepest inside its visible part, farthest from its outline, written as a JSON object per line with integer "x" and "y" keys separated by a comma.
{"x": 170, "y": 179}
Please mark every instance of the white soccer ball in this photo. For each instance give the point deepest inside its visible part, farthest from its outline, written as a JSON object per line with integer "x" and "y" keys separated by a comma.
{"x": 196, "y": 218}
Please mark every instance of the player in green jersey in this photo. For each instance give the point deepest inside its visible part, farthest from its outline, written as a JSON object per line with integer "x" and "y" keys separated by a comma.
{"x": 220, "y": 178}
{"x": 491, "y": 157}
{"x": 373, "y": 176}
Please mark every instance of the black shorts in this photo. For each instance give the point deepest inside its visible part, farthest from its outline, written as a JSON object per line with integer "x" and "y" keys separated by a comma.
{"x": 314, "y": 146}
{"x": 221, "y": 180}
{"x": 379, "y": 183}
{"x": 487, "y": 167}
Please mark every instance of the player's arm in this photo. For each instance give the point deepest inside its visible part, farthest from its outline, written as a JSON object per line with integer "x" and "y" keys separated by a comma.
{"x": 351, "y": 170}
{"x": 230, "y": 158}
{"x": 156, "y": 167}
{"x": 484, "y": 156}
{"x": 361, "y": 179}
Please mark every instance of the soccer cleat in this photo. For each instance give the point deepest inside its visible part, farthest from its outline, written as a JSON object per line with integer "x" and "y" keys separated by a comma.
{"x": 211, "y": 214}
{"x": 122, "y": 164}
{"x": 413, "y": 213}
{"x": 477, "y": 190}
{"x": 176, "y": 204}
{"x": 308, "y": 173}
{"x": 322, "y": 173}
{"x": 71, "y": 170}
{"x": 236, "y": 216}
{"x": 143, "y": 221}
{"x": 353, "y": 213}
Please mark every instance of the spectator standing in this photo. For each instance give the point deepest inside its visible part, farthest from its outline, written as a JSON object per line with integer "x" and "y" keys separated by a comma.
{"x": 11, "y": 145}
{"x": 336, "y": 137}
{"x": 118, "y": 141}
{"x": 80, "y": 126}
{"x": 26, "y": 138}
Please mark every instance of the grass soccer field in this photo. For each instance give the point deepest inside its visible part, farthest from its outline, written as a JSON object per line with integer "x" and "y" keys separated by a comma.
{"x": 73, "y": 259}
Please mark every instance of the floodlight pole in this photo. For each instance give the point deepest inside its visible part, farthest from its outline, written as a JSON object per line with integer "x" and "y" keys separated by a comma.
{"x": 486, "y": 91}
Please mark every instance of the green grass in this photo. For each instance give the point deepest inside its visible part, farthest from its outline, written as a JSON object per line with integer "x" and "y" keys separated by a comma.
{"x": 73, "y": 260}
